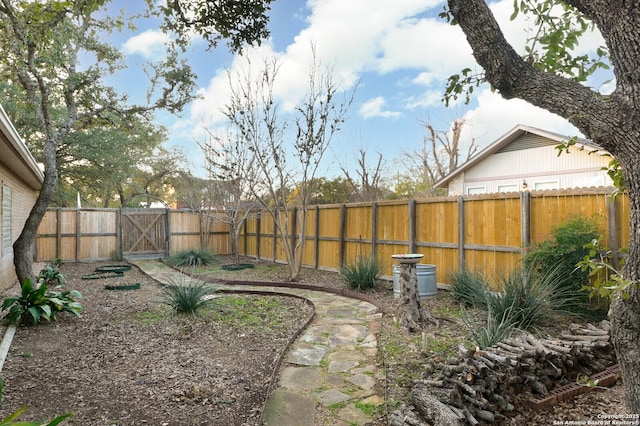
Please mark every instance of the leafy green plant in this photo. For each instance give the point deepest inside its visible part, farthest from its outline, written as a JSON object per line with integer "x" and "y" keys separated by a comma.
{"x": 363, "y": 273}
{"x": 51, "y": 275}
{"x": 38, "y": 302}
{"x": 187, "y": 298}
{"x": 564, "y": 250}
{"x": 192, "y": 257}
{"x": 11, "y": 419}
{"x": 606, "y": 280}
{"x": 469, "y": 287}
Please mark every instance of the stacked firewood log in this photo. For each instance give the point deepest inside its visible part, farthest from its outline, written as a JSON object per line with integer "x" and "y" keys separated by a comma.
{"x": 485, "y": 386}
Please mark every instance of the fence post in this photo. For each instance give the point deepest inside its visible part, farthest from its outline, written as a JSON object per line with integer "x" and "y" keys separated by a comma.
{"x": 461, "y": 261}
{"x": 275, "y": 237}
{"x": 341, "y": 234}
{"x": 258, "y": 232}
{"x": 119, "y": 233}
{"x": 59, "y": 233}
{"x": 245, "y": 237}
{"x": 78, "y": 232}
{"x": 412, "y": 225}
{"x": 316, "y": 239}
{"x": 168, "y": 228}
{"x": 525, "y": 221}
{"x": 374, "y": 230}
{"x": 612, "y": 225}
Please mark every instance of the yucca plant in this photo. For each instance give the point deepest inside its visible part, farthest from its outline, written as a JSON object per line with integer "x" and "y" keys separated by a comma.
{"x": 194, "y": 258}
{"x": 497, "y": 328}
{"x": 187, "y": 298}
{"x": 530, "y": 297}
{"x": 469, "y": 287}
{"x": 363, "y": 273}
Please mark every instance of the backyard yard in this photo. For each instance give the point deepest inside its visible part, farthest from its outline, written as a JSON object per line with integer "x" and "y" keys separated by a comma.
{"x": 129, "y": 361}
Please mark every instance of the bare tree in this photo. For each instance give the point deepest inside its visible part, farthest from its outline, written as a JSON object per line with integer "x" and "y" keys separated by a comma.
{"x": 193, "y": 193}
{"x": 231, "y": 168}
{"x": 255, "y": 114}
{"x": 367, "y": 181}
{"x": 439, "y": 155}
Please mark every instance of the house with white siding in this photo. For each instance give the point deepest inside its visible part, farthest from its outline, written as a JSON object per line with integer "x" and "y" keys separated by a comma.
{"x": 20, "y": 180}
{"x": 526, "y": 158}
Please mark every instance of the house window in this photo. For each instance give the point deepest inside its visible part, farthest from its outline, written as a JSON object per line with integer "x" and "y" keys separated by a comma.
{"x": 475, "y": 190}
{"x": 541, "y": 186}
{"x": 508, "y": 188}
{"x": 6, "y": 219}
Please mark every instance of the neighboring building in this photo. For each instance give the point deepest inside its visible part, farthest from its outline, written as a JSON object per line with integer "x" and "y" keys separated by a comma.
{"x": 20, "y": 179}
{"x": 526, "y": 159}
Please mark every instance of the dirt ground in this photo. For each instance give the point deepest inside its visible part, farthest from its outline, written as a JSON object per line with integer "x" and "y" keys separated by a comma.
{"x": 128, "y": 361}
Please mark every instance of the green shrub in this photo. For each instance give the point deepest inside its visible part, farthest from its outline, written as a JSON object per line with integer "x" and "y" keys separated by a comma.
{"x": 187, "y": 298}
{"x": 361, "y": 274}
{"x": 37, "y": 303}
{"x": 564, "y": 251}
{"x": 469, "y": 287}
{"x": 528, "y": 297}
{"x": 50, "y": 275}
{"x": 192, "y": 257}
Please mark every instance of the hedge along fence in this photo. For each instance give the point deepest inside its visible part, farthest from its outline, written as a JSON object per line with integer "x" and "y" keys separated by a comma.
{"x": 489, "y": 232}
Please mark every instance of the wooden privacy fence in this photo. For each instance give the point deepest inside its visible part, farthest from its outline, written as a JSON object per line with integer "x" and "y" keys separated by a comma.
{"x": 102, "y": 234}
{"x": 489, "y": 232}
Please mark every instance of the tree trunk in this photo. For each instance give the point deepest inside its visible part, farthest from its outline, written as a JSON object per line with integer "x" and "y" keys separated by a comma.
{"x": 23, "y": 246}
{"x": 410, "y": 310}
{"x": 625, "y": 311}
{"x": 611, "y": 120}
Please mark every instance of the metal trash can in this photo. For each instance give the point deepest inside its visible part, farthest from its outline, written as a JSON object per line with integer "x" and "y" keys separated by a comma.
{"x": 427, "y": 281}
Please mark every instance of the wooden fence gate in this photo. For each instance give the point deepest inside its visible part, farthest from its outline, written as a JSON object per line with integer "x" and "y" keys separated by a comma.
{"x": 144, "y": 232}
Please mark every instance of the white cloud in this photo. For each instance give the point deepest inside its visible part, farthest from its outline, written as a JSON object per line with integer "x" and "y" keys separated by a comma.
{"x": 149, "y": 44}
{"x": 374, "y": 108}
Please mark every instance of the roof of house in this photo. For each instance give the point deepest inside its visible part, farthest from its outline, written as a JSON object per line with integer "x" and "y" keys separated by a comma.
{"x": 505, "y": 140}
{"x": 15, "y": 155}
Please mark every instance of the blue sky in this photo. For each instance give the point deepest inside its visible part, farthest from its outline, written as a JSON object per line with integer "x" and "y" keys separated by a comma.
{"x": 399, "y": 53}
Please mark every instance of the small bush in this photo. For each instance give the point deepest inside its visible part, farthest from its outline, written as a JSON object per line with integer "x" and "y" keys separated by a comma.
{"x": 469, "y": 287}
{"x": 37, "y": 303}
{"x": 187, "y": 298}
{"x": 363, "y": 273}
{"x": 193, "y": 258}
{"x": 564, "y": 251}
{"x": 50, "y": 275}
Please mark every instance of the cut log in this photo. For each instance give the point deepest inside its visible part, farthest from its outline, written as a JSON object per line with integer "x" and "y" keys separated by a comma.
{"x": 432, "y": 410}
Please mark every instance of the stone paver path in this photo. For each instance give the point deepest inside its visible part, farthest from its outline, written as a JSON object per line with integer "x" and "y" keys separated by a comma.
{"x": 331, "y": 366}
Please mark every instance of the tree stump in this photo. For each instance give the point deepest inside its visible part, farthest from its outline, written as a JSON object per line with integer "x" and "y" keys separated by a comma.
{"x": 410, "y": 311}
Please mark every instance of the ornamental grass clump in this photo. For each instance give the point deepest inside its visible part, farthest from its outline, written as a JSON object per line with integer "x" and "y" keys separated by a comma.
{"x": 188, "y": 298}
{"x": 193, "y": 258}
{"x": 529, "y": 298}
{"x": 469, "y": 287}
{"x": 363, "y": 273}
